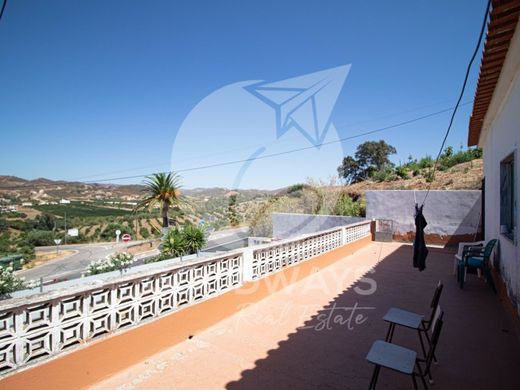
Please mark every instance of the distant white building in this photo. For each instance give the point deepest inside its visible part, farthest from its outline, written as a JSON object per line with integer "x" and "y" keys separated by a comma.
{"x": 27, "y": 204}
{"x": 64, "y": 201}
{"x": 74, "y": 232}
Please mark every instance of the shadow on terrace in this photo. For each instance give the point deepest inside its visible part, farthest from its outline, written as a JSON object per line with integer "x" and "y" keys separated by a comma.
{"x": 479, "y": 347}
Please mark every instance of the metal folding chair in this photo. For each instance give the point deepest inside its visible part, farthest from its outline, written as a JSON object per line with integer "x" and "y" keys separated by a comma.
{"x": 411, "y": 320}
{"x": 404, "y": 360}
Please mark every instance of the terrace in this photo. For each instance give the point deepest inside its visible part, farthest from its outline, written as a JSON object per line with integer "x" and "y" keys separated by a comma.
{"x": 301, "y": 312}
{"x": 301, "y": 337}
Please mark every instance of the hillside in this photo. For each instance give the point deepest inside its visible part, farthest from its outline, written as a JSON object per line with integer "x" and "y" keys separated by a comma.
{"x": 465, "y": 176}
{"x": 12, "y": 187}
{"x": 41, "y": 190}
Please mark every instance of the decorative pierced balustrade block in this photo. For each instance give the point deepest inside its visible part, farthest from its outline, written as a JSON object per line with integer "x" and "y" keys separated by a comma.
{"x": 274, "y": 258}
{"x": 71, "y": 334}
{"x": 43, "y": 328}
{"x": 8, "y": 356}
{"x": 7, "y": 325}
{"x": 37, "y": 317}
{"x": 36, "y": 345}
{"x": 353, "y": 233}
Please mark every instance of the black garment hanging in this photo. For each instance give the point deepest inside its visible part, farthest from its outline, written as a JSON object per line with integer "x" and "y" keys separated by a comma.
{"x": 420, "y": 252}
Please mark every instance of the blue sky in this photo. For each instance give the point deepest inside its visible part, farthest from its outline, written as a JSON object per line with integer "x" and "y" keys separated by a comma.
{"x": 99, "y": 89}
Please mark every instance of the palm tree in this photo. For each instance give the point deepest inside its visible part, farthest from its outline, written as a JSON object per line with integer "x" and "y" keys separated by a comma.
{"x": 164, "y": 189}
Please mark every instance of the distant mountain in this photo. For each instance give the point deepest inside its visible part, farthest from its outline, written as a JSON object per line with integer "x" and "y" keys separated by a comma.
{"x": 43, "y": 189}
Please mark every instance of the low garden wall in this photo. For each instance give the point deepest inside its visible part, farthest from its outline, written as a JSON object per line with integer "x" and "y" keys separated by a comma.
{"x": 452, "y": 216}
{"x": 39, "y": 326}
{"x": 287, "y": 225}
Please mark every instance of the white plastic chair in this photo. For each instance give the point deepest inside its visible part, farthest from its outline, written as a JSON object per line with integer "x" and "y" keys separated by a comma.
{"x": 460, "y": 253}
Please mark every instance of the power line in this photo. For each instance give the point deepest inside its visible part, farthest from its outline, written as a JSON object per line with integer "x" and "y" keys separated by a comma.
{"x": 232, "y": 162}
{"x": 3, "y": 8}
{"x": 241, "y": 149}
{"x": 297, "y": 149}
{"x": 482, "y": 29}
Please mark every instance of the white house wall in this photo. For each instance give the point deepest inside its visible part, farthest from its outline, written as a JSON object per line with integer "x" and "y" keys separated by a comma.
{"x": 502, "y": 139}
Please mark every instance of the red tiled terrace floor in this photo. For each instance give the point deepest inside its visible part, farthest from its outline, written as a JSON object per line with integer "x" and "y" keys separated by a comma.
{"x": 282, "y": 342}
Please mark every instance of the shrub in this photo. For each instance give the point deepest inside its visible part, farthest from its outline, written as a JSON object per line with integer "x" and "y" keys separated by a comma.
{"x": 109, "y": 232}
{"x": 17, "y": 224}
{"x": 9, "y": 282}
{"x": 3, "y": 225}
{"x": 155, "y": 259}
{"x": 144, "y": 232}
{"x": 193, "y": 237}
{"x": 402, "y": 172}
{"x": 26, "y": 250}
{"x": 80, "y": 238}
{"x": 174, "y": 244}
{"x": 386, "y": 174}
{"x": 40, "y": 238}
{"x": 117, "y": 261}
{"x": 347, "y": 206}
{"x": 425, "y": 162}
{"x": 429, "y": 175}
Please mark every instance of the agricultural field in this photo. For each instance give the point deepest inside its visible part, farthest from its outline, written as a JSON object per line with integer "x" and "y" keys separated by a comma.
{"x": 82, "y": 210}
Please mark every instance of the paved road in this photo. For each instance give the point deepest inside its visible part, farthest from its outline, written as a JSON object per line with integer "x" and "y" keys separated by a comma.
{"x": 71, "y": 266}
{"x": 222, "y": 237}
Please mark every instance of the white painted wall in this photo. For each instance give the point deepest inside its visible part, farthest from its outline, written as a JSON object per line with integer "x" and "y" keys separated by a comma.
{"x": 448, "y": 213}
{"x": 503, "y": 139}
{"x": 287, "y": 225}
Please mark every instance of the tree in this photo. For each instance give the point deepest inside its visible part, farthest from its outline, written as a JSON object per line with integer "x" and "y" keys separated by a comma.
{"x": 45, "y": 222}
{"x": 372, "y": 154}
{"x": 162, "y": 189}
{"x": 234, "y": 217}
{"x": 349, "y": 169}
{"x": 370, "y": 157}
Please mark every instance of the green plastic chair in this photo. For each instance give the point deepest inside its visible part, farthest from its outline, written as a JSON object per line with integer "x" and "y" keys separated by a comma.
{"x": 477, "y": 258}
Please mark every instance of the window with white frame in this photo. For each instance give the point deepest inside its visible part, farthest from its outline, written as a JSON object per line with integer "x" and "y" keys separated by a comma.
{"x": 507, "y": 196}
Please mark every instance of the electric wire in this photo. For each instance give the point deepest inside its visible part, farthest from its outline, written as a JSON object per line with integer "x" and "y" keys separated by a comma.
{"x": 232, "y": 162}
{"x": 468, "y": 69}
{"x": 3, "y": 9}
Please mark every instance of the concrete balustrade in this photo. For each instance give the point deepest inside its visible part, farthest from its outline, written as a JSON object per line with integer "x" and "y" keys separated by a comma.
{"x": 37, "y": 327}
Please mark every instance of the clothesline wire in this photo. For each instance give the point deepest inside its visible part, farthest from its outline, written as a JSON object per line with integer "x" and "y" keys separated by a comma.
{"x": 468, "y": 69}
